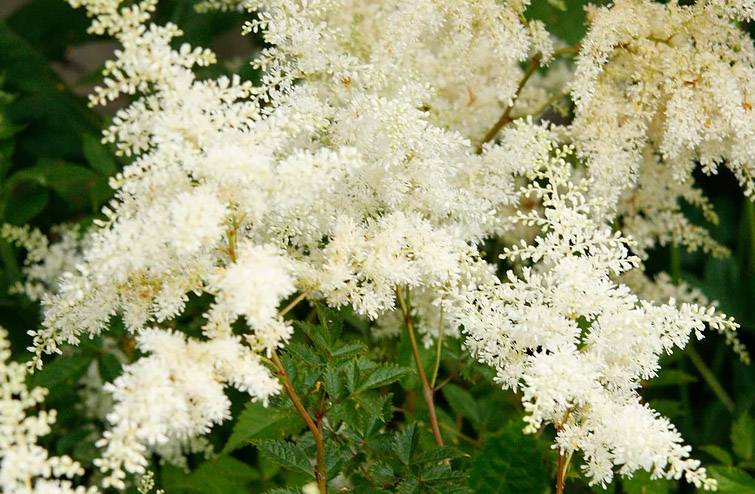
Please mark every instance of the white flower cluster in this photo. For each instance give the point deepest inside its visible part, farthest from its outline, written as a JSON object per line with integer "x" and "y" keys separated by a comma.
{"x": 45, "y": 262}
{"x": 26, "y": 467}
{"x": 678, "y": 79}
{"x": 356, "y": 167}
{"x": 578, "y": 343}
{"x": 175, "y": 393}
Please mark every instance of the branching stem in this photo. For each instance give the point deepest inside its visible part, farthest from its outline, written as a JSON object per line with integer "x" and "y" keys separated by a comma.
{"x": 506, "y": 117}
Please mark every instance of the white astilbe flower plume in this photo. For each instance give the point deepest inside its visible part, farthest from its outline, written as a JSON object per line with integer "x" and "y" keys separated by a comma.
{"x": 677, "y": 78}
{"x": 176, "y": 392}
{"x": 26, "y": 467}
{"x": 576, "y": 342}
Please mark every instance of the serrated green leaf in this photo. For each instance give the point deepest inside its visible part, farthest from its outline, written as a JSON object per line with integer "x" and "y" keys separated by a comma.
{"x": 350, "y": 349}
{"x": 286, "y": 454}
{"x": 381, "y": 376}
{"x": 352, "y": 377}
{"x": 331, "y": 321}
{"x": 382, "y": 473}
{"x": 334, "y": 382}
{"x": 335, "y": 458}
{"x": 351, "y": 413}
{"x": 447, "y": 488}
{"x": 304, "y": 353}
{"x": 510, "y": 462}
{"x": 461, "y": 402}
{"x": 409, "y": 486}
{"x": 317, "y": 333}
{"x": 372, "y": 403}
{"x": 718, "y": 453}
{"x": 439, "y": 454}
{"x": 441, "y": 474}
{"x": 732, "y": 480}
{"x": 285, "y": 490}
{"x": 259, "y": 422}
{"x": 743, "y": 437}
{"x": 405, "y": 442}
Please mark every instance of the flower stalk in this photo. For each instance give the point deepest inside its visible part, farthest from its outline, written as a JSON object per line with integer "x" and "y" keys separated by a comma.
{"x": 427, "y": 391}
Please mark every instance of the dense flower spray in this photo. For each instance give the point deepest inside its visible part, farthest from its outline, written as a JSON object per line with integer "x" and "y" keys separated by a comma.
{"x": 386, "y": 108}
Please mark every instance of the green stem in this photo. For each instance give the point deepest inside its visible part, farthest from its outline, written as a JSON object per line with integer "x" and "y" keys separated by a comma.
{"x": 708, "y": 376}
{"x": 427, "y": 391}
{"x": 320, "y": 474}
{"x": 461, "y": 435}
{"x": 710, "y": 379}
{"x": 293, "y": 303}
{"x": 438, "y": 349}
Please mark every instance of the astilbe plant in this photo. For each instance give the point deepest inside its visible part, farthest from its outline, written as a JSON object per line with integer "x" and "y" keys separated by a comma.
{"x": 385, "y": 143}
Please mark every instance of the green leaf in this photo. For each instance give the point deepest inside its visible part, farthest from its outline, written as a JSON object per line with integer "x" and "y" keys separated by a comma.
{"x": 334, "y": 382}
{"x": 718, "y": 453}
{"x": 258, "y": 422}
{"x": 405, "y": 442}
{"x": 26, "y": 203}
{"x": 73, "y": 183}
{"x": 62, "y": 374}
{"x": 743, "y": 437}
{"x": 350, "y": 349}
{"x": 382, "y": 473}
{"x": 381, "y": 376}
{"x": 336, "y": 458}
{"x": 98, "y": 155}
{"x": 372, "y": 403}
{"x": 331, "y": 321}
{"x": 409, "y": 486}
{"x": 732, "y": 480}
{"x": 461, "y": 402}
{"x": 440, "y": 473}
{"x": 109, "y": 367}
{"x": 222, "y": 475}
{"x": 352, "y": 414}
{"x": 304, "y": 353}
{"x": 671, "y": 377}
{"x": 318, "y": 334}
{"x": 640, "y": 483}
{"x": 668, "y": 408}
{"x": 510, "y": 462}
{"x": 437, "y": 454}
{"x": 52, "y": 27}
{"x": 286, "y": 454}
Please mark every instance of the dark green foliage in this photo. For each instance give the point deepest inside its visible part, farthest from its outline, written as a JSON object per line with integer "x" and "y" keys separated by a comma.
{"x": 510, "y": 462}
